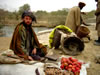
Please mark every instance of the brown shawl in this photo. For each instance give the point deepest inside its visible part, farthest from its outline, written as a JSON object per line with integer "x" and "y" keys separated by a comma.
{"x": 16, "y": 43}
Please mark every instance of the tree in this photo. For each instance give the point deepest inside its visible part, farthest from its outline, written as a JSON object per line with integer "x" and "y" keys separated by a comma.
{"x": 41, "y": 15}
{"x": 3, "y": 15}
{"x": 16, "y": 14}
{"x": 23, "y": 8}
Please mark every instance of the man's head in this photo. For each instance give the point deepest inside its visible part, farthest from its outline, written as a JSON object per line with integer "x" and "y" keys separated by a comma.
{"x": 96, "y": 0}
{"x": 28, "y": 17}
{"x": 81, "y": 5}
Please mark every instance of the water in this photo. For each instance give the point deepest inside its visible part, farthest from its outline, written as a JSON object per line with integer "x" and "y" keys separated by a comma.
{"x": 7, "y": 31}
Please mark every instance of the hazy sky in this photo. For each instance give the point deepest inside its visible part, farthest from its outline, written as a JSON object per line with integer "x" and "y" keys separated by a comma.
{"x": 48, "y": 5}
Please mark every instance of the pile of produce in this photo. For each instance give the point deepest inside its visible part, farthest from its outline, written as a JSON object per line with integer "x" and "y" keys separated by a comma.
{"x": 71, "y": 64}
{"x": 56, "y": 71}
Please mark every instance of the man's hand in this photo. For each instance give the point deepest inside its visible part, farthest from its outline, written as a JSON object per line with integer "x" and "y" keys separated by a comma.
{"x": 86, "y": 24}
{"x": 30, "y": 58}
{"x": 34, "y": 51}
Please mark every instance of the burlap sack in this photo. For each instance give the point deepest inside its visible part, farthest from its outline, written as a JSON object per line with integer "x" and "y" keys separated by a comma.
{"x": 8, "y": 57}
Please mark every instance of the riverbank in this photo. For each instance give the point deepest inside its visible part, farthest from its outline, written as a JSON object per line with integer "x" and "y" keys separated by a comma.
{"x": 4, "y": 43}
{"x": 88, "y": 55}
{"x": 37, "y": 24}
{"x": 7, "y": 31}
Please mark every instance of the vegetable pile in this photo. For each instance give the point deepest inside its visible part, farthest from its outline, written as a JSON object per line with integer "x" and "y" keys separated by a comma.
{"x": 71, "y": 64}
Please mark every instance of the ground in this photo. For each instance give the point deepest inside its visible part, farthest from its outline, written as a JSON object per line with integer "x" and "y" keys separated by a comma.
{"x": 88, "y": 55}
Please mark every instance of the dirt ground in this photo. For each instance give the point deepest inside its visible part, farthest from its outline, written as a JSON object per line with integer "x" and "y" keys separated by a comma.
{"x": 88, "y": 55}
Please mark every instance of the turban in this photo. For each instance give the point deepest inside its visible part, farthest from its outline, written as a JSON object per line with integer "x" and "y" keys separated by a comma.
{"x": 82, "y": 4}
{"x": 30, "y": 14}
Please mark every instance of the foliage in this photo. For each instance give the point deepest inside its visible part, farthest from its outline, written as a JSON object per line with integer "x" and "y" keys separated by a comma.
{"x": 16, "y": 15}
{"x": 52, "y": 18}
{"x": 90, "y": 14}
{"x": 57, "y": 17}
{"x": 3, "y": 15}
{"x": 23, "y": 8}
{"x": 89, "y": 17}
{"x": 41, "y": 15}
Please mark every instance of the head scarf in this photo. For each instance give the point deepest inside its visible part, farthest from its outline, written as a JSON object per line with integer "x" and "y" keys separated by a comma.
{"x": 30, "y": 14}
{"x": 81, "y": 4}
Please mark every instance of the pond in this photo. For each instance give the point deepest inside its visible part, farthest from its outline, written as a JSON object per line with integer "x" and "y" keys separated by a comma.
{"x": 7, "y": 31}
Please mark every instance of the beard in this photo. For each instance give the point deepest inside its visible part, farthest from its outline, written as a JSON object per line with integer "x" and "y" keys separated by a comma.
{"x": 27, "y": 23}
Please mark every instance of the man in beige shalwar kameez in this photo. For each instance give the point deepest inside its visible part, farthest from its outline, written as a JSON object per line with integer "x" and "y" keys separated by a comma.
{"x": 97, "y": 13}
{"x": 74, "y": 18}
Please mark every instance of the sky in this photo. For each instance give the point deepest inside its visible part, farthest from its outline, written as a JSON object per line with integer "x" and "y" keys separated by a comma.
{"x": 46, "y": 5}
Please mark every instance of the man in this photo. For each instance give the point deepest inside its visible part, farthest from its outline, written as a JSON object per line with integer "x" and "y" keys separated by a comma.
{"x": 24, "y": 41}
{"x": 74, "y": 19}
{"x": 97, "y": 13}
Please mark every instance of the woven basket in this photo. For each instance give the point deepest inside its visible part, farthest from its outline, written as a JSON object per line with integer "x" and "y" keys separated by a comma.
{"x": 72, "y": 45}
{"x": 82, "y": 31}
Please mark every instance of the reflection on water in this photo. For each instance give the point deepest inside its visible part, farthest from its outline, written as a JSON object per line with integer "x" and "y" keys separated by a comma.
{"x": 7, "y": 31}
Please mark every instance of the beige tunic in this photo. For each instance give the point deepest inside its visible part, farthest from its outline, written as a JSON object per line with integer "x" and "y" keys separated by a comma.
{"x": 73, "y": 18}
{"x": 97, "y": 13}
